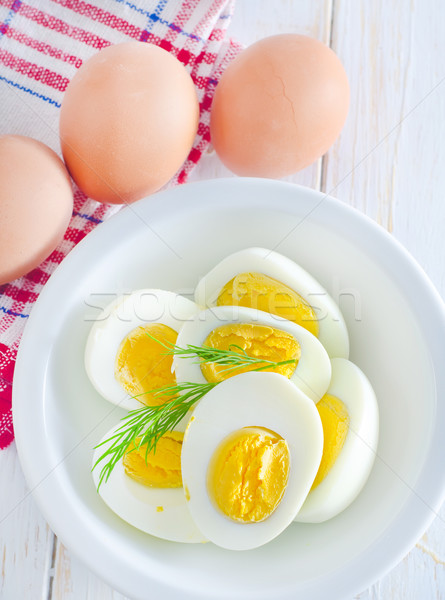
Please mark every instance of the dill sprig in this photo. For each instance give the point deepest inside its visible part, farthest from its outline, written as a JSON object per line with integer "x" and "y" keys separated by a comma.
{"x": 150, "y": 423}
{"x": 146, "y": 425}
{"x": 219, "y": 356}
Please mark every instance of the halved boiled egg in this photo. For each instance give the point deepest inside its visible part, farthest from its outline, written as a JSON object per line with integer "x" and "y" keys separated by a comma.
{"x": 250, "y": 454}
{"x": 147, "y": 491}
{"x": 122, "y": 359}
{"x": 265, "y": 280}
{"x": 349, "y": 414}
{"x": 259, "y": 335}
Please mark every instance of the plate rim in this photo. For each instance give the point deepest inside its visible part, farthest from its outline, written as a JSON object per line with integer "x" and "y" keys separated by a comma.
{"x": 411, "y": 511}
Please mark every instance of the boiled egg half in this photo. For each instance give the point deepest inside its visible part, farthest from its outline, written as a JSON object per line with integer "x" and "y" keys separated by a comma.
{"x": 122, "y": 360}
{"x": 259, "y": 335}
{"x": 268, "y": 281}
{"x": 350, "y": 419}
{"x": 146, "y": 491}
{"x": 250, "y": 454}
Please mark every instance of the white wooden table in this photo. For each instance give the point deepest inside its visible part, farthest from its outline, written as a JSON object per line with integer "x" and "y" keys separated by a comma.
{"x": 389, "y": 162}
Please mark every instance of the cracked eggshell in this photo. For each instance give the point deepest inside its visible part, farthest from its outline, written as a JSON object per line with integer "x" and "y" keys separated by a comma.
{"x": 279, "y": 106}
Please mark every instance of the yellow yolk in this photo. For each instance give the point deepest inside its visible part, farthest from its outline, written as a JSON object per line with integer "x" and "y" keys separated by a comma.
{"x": 259, "y": 341}
{"x": 335, "y": 420}
{"x": 141, "y": 364}
{"x": 160, "y": 469}
{"x": 255, "y": 290}
{"x": 248, "y": 474}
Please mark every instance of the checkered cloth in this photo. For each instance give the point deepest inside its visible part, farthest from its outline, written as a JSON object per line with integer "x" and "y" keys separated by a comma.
{"x": 42, "y": 43}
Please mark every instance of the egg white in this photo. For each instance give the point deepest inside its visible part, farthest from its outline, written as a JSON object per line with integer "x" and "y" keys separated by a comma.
{"x": 351, "y": 470}
{"x": 258, "y": 399}
{"x": 332, "y": 328}
{"x": 138, "y": 504}
{"x": 312, "y": 374}
{"x": 115, "y": 322}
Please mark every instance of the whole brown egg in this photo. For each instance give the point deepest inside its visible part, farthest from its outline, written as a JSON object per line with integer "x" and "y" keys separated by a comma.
{"x": 279, "y": 106}
{"x": 128, "y": 121}
{"x": 36, "y": 204}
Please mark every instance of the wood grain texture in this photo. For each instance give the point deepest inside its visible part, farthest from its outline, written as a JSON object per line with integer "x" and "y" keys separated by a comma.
{"x": 73, "y": 581}
{"x": 26, "y": 541}
{"x": 388, "y": 163}
{"x": 389, "y": 159}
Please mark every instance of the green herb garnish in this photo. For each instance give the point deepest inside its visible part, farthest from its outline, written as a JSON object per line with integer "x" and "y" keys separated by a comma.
{"x": 232, "y": 358}
{"x": 150, "y": 423}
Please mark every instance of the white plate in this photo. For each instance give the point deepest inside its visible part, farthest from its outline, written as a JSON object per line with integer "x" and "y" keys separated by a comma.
{"x": 397, "y": 328}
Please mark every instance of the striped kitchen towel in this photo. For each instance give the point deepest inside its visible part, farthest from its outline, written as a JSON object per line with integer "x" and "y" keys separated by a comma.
{"x": 42, "y": 43}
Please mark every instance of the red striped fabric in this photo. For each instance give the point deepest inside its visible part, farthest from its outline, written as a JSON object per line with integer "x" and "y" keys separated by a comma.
{"x": 60, "y": 26}
{"x": 41, "y": 46}
{"x": 24, "y": 39}
{"x": 33, "y": 71}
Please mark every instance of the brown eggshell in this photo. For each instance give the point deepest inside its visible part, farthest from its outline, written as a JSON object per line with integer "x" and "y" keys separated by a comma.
{"x": 36, "y": 203}
{"x": 279, "y": 106}
{"x": 128, "y": 121}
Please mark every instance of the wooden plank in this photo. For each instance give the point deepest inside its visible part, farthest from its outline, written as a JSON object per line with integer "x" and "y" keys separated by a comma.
{"x": 73, "y": 581}
{"x": 256, "y": 19}
{"x": 388, "y": 163}
{"x": 26, "y": 542}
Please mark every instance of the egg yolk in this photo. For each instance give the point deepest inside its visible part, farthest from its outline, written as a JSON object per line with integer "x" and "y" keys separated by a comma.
{"x": 161, "y": 469}
{"x": 259, "y": 341}
{"x": 141, "y": 364}
{"x": 255, "y": 290}
{"x": 335, "y": 420}
{"x": 248, "y": 474}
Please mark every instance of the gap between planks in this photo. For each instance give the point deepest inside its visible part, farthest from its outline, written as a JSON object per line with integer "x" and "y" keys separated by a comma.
{"x": 50, "y": 576}
{"x": 321, "y": 184}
